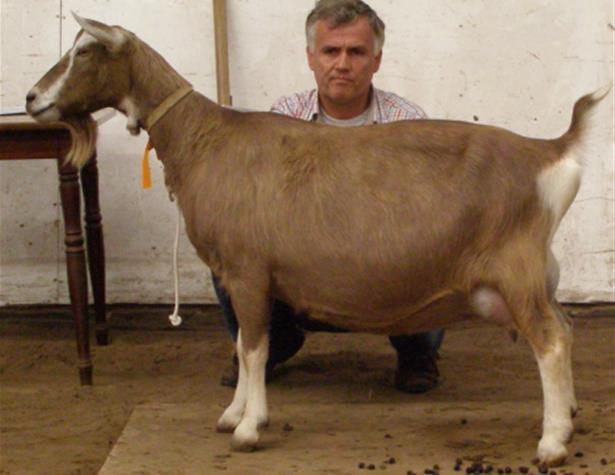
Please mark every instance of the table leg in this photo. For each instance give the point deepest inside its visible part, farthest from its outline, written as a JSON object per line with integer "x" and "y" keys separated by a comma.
{"x": 95, "y": 246}
{"x": 75, "y": 264}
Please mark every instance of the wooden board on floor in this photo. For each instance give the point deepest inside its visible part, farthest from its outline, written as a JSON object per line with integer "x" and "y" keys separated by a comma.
{"x": 320, "y": 438}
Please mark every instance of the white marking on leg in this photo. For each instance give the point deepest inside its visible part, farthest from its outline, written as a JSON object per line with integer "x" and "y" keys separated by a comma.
{"x": 231, "y": 417}
{"x": 557, "y": 390}
{"x": 567, "y": 348}
{"x": 255, "y": 415}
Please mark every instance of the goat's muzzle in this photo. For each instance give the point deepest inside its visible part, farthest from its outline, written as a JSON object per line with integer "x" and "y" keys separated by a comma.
{"x": 39, "y": 112}
{"x": 40, "y": 107}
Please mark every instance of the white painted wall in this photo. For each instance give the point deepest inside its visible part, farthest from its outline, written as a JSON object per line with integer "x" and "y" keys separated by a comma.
{"x": 519, "y": 65}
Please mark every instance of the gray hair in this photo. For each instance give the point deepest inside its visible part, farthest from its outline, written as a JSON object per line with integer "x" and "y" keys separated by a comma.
{"x": 343, "y": 12}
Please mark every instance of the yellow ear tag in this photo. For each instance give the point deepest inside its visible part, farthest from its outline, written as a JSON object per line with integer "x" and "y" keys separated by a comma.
{"x": 146, "y": 174}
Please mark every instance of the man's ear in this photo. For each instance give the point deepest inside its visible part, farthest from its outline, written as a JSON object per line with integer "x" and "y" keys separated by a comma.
{"x": 378, "y": 61}
{"x": 310, "y": 57}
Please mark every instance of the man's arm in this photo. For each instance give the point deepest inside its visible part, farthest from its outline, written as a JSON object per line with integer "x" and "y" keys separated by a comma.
{"x": 394, "y": 108}
{"x": 300, "y": 105}
{"x": 285, "y": 106}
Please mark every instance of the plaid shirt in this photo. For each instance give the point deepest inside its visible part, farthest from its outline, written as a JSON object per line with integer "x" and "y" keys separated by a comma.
{"x": 388, "y": 107}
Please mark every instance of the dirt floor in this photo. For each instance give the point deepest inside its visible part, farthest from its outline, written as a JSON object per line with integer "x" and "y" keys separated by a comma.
{"x": 51, "y": 425}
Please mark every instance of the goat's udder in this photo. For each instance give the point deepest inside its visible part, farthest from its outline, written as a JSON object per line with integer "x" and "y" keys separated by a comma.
{"x": 490, "y": 305}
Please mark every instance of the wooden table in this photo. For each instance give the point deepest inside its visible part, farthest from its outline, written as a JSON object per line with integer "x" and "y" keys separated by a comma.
{"x": 23, "y": 138}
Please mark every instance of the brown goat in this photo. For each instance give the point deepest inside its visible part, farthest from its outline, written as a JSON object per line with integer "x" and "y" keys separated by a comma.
{"x": 388, "y": 228}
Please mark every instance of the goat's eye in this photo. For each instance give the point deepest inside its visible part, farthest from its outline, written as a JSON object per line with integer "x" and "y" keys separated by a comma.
{"x": 83, "y": 53}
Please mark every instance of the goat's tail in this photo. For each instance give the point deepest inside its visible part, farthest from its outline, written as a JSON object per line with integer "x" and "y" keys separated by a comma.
{"x": 559, "y": 185}
{"x": 580, "y": 116}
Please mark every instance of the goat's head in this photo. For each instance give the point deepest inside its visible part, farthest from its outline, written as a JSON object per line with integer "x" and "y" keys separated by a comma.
{"x": 90, "y": 76}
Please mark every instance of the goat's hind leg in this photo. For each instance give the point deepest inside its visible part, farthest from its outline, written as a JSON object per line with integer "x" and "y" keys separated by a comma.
{"x": 566, "y": 323}
{"x": 551, "y": 339}
{"x": 552, "y": 283}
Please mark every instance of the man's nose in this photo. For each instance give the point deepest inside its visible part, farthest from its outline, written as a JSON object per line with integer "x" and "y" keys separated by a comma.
{"x": 343, "y": 61}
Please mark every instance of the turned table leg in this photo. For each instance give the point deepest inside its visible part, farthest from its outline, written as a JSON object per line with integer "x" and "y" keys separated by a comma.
{"x": 75, "y": 264}
{"x": 95, "y": 246}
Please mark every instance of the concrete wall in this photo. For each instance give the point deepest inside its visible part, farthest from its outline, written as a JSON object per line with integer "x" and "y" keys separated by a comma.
{"x": 519, "y": 65}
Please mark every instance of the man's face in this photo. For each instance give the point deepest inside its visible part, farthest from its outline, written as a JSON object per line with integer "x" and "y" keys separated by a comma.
{"x": 343, "y": 61}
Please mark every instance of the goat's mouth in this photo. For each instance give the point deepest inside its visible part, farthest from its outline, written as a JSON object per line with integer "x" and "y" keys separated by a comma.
{"x": 39, "y": 114}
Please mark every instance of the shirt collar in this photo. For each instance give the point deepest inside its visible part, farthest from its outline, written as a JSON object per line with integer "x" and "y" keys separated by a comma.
{"x": 313, "y": 107}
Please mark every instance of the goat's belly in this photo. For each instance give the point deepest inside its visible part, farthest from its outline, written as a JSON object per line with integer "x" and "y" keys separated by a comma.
{"x": 440, "y": 312}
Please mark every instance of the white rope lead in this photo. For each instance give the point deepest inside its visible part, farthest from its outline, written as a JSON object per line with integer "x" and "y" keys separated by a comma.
{"x": 174, "y": 318}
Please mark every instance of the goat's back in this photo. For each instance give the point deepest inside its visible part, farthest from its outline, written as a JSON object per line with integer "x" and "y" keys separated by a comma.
{"x": 338, "y": 213}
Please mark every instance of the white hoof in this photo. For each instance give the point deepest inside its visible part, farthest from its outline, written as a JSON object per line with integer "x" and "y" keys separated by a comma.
{"x": 228, "y": 422}
{"x": 245, "y": 438}
{"x": 551, "y": 452}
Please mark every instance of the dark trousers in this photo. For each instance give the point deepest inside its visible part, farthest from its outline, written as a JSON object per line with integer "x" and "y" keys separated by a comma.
{"x": 284, "y": 320}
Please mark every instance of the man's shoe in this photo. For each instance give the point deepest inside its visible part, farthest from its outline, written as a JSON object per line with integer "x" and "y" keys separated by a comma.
{"x": 284, "y": 343}
{"x": 417, "y": 373}
{"x": 230, "y": 375}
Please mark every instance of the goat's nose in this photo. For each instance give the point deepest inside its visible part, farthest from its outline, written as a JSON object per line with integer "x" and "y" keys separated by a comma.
{"x": 31, "y": 96}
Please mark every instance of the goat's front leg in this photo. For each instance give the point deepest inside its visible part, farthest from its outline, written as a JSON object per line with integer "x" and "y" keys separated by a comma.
{"x": 255, "y": 414}
{"x": 248, "y": 410}
{"x": 231, "y": 417}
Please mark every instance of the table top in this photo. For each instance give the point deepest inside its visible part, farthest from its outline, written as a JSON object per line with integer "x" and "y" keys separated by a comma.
{"x": 25, "y": 122}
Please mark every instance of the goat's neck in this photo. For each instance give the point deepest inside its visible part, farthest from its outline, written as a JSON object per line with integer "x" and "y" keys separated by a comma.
{"x": 185, "y": 133}
{"x": 152, "y": 81}
{"x": 185, "y": 137}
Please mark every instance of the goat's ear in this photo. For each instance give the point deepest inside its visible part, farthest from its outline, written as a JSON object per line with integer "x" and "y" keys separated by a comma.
{"x": 113, "y": 38}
